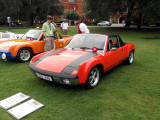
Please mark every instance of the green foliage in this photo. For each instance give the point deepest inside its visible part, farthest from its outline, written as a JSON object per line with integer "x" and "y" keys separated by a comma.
{"x": 28, "y": 10}
{"x": 136, "y": 10}
{"x": 73, "y": 15}
{"x": 102, "y": 9}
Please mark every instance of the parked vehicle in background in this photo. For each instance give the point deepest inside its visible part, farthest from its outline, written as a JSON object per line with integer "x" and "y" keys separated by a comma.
{"x": 23, "y": 49}
{"x": 104, "y": 23}
{"x": 9, "y": 36}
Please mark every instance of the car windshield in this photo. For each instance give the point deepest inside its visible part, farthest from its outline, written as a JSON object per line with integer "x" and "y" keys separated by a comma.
{"x": 88, "y": 41}
{"x": 32, "y": 34}
{"x": 5, "y": 35}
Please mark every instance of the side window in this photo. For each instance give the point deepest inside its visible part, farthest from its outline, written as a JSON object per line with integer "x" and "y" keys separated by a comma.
{"x": 42, "y": 38}
{"x": 121, "y": 42}
{"x": 113, "y": 42}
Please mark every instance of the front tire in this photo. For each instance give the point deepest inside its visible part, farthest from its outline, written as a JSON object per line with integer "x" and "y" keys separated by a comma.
{"x": 24, "y": 55}
{"x": 93, "y": 77}
{"x": 130, "y": 59}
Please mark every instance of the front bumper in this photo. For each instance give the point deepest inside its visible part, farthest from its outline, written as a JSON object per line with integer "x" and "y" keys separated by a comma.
{"x": 56, "y": 77}
{"x": 8, "y": 54}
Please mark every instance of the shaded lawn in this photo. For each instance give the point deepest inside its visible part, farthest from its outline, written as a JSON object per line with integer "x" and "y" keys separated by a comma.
{"x": 125, "y": 92}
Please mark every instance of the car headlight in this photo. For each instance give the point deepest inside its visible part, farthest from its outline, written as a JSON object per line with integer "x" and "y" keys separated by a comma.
{"x": 4, "y": 56}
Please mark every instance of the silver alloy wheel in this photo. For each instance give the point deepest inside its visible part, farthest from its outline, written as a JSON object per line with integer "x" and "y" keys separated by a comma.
{"x": 94, "y": 77}
{"x": 131, "y": 57}
{"x": 25, "y": 55}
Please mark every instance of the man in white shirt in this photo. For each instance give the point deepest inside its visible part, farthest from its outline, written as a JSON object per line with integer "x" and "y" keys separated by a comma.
{"x": 82, "y": 28}
{"x": 64, "y": 27}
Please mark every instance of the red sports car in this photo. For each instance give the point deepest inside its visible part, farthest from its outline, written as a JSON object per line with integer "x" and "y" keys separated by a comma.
{"x": 84, "y": 59}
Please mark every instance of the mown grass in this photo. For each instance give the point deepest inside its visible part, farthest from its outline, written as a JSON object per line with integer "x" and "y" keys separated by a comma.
{"x": 127, "y": 92}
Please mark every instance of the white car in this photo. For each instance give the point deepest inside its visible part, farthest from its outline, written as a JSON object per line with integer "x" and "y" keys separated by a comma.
{"x": 9, "y": 36}
{"x": 104, "y": 23}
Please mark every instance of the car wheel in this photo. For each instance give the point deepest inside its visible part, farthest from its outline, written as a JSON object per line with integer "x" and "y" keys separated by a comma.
{"x": 93, "y": 77}
{"x": 130, "y": 59}
{"x": 24, "y": 55}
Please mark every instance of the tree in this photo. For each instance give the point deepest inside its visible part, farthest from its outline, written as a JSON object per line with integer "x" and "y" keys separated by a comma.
{"x": 136, "y": 9}
{"x": 28, "y": 10}
{"x": 73, "y": 15}
{"x": 33, "y": 8}
{"x": 8, "y": 8}
{"x": 103, "y": 8}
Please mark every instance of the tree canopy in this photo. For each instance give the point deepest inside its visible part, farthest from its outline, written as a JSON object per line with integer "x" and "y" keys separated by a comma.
{"x": 73, "y": 15}
{"x": 28, "y": 10}
{"x": 136, "y": 10}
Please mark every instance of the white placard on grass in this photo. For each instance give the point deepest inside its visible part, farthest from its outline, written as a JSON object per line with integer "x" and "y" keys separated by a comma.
{"x": 13, "y": 100}
{"x": 25, "y": 108}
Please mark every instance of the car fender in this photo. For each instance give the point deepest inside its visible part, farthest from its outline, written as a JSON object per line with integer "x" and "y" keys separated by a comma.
{"x": 130, "y": 47}
{"x": 87, "y": 66}
{"x": 14, "y": 49}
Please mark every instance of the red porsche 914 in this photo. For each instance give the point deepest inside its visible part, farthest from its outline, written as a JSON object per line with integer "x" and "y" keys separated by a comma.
{"x": 83, "y": 60}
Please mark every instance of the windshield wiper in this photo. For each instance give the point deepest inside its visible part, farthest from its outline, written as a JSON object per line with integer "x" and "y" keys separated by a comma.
{"x": 84, "y": 48}
{"x": 100, "y": 48}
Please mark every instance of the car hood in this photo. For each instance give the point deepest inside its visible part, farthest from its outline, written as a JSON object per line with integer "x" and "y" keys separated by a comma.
{"x": 64, "y": 60}
{"x": 5, "y": 45}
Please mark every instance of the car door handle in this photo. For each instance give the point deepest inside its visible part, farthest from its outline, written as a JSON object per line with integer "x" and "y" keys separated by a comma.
{"x": 122, "y": 49}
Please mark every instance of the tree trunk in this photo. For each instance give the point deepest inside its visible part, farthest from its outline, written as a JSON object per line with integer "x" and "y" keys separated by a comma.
{"x": 139, "y": 21}
{"x": 128, "y": 22}
{"x": 30, "y": 20}
{"x": 129, "y": 14}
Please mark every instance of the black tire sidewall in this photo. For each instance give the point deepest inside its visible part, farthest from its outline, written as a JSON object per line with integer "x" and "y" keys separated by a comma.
{"x": 18, "y": 55}
{"x": 87, "y": 84}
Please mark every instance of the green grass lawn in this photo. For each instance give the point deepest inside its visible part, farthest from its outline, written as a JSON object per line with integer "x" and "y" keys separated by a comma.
{"x": 127, "y": 92}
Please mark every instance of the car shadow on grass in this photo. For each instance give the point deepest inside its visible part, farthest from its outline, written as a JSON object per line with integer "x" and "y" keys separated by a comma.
{"x": 109, "y": 72}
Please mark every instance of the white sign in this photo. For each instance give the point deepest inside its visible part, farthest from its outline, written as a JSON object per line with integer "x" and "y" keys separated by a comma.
{"x": 13, "y": 100}
{"x": 25, "y": 108}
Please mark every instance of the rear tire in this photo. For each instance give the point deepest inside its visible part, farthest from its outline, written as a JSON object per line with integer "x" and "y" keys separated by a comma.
{"x": 24, "y": 55}
{"x": 93, "y": 77}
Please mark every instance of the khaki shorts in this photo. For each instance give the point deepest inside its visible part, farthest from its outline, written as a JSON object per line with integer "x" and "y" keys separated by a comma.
{"x": 64, "y": 32}
{"x": 49, "y": 43}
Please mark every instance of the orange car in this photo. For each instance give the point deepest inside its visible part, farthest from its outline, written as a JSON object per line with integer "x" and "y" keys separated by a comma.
{"x": 31, "y": 43}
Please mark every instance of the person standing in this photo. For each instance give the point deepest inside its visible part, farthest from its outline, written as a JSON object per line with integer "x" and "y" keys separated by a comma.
{"x": 48, "y": 30}
{"x": 82, "y": 28}
{"x": 64, "y": 27}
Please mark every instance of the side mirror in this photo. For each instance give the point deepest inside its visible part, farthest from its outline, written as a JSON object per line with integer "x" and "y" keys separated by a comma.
{"x": 17, "y": 37}
{"x": 114, "y": 49}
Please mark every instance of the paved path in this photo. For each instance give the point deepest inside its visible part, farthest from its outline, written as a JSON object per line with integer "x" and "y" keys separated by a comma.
{"x": 123, "y": 25}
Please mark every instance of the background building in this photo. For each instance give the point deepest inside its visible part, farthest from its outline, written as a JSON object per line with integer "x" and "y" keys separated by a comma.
{"x": 70, "y": 5}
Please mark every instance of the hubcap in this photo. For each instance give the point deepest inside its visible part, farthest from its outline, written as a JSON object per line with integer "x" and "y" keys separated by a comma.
{"x": 131, "y": 57}
{"x": 25, "y": 55}
{"x": 94, "y": 77}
